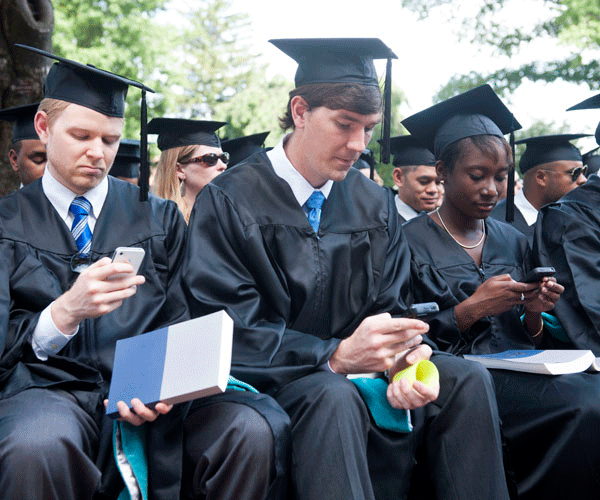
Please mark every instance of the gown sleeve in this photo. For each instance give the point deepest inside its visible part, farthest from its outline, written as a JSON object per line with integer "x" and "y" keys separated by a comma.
{"x": 567, "y": 238}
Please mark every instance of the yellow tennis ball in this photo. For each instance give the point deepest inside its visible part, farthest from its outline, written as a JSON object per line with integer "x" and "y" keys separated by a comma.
{"x": 424, "y": 371}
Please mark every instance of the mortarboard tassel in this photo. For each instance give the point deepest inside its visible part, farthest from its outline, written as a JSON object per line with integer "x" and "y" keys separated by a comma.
{"x": 387, "y": 114}
{"x": 510, "y": 187}
{"x": 144, "y": 167}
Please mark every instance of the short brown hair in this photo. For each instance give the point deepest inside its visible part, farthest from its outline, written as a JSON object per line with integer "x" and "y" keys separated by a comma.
{"x": 53, "y": 108}
{"x": 361, "y": 99}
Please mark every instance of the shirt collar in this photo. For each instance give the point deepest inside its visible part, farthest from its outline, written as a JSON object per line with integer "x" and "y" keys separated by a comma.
{"x": 406, "y": 211}
{"x": 284, "y": 169}
{"x": 61, "y": 197}
{"x": 528, "y": 211}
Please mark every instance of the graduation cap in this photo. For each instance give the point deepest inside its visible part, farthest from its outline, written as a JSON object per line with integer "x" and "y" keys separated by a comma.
{"x": 590, "y": 103}
{"x": 241, "y": 148}
{"x": 591, "y": 160}
{"x": 22, "y": 118}
{"x": 476, "y": 112}
{"x": 547, "y": 149}
{"x": 99, "y": 90}
{"x": 177, "y": 132}
{"x": 408, "y": 152}
{"x": 342, "y": 60}
{"x": 127, "y": 161}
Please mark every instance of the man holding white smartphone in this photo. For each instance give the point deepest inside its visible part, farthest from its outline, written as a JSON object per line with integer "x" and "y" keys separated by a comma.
{"x": 64, "y": 303}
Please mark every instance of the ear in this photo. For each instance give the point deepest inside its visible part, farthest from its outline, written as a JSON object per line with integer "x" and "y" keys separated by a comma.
{"x": 440, "y": 170}
{"x": 398, "y": 176}
{"x": 180, "y": 172}
{"x": 40, "y": 122}
{"x": 13, "y": 159}
{"x": 299, "y": 108}
{"x": 542, "y": 178}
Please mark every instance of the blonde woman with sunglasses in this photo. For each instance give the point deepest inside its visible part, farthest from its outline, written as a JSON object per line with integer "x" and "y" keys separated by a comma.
{"x": 191, "y": 157}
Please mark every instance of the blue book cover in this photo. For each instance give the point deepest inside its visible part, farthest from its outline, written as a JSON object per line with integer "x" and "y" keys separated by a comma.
{"x": 174, "y": 364}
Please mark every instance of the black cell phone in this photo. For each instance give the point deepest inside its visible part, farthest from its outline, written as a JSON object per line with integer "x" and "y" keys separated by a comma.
{"x": 423, "y": 310}
{"x": 537, "y": 273}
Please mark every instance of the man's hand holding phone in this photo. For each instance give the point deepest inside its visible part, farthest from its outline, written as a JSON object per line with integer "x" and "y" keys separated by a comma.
{"x": 98, "y": 290}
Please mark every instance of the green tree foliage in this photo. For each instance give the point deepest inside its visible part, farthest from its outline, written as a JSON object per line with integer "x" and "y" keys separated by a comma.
{"x": 257, "y": 108}
{"x": 119, "y": 36}
{"x": 575, "y": 24}
{"x": 215, "y": 59}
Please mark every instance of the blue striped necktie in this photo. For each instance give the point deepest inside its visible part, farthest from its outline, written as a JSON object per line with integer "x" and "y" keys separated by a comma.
{"x": 80, "y": 208}
{"x": 314, "y": 204}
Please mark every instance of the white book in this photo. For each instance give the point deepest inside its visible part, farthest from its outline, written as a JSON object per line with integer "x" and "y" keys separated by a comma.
{"x": 178, "y": 363}
{"x": 549, "y": 362}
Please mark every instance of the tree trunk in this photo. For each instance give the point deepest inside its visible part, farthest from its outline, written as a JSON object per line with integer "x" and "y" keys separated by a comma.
{"x": 21, "y": 73}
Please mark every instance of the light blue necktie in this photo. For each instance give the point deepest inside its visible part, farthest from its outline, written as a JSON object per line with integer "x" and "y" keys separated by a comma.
{"x": 314, "y": 204}
{"x": 80, "y": 208}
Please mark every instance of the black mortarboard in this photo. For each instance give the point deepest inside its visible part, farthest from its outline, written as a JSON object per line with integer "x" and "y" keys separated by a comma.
{"x": 589, "y": 103}
{"x": 476, "y": 112}
{"x": 127, "y": 161}
{"x": 547, "y": 149}
{"x": 342, "y": 60}
{"x": 99, "y": 90}
{"x": 241, "y": 148}
{"x": 177, "y": 132}
{"x": 22, "y": 118}
{"x": 591, "y": 159}
{"x": 408, "y": 151}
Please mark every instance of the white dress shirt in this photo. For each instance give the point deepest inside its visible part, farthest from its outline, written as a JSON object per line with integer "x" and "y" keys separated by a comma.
{"x": 284, "y": 169}
{"x": 406, "y": 211}
{"x": 528, "y": 211}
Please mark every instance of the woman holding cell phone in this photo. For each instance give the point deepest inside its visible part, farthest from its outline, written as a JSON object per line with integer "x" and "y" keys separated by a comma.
{"x": 475, "y": 268}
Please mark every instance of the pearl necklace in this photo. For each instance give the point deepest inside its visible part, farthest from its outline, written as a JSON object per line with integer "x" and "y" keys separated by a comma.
{"x": 468, "y": 247}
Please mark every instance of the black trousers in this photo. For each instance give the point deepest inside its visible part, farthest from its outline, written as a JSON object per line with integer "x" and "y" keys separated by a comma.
{"x": 47, "y": 445}
{"x": 552, "y": 427}
{"x": 338, "y": 452}
{"x": 234, "y": 444}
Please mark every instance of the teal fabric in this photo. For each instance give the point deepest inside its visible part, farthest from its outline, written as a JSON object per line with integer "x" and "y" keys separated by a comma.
{"x": 134, "y": 444}
{"x": 373, "y": 392}
{"x": 553, "y": 326}
{"x": 233, "y": 384}
{"x": 133, "y": 441}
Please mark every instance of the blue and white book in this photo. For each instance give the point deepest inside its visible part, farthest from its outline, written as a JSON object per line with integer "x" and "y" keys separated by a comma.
{"x": 549, "y": 361}
{"x": 178, "y": 363}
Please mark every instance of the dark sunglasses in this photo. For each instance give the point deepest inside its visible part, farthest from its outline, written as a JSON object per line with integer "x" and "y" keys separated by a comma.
{"x": 209, "y": 159}
{"x": 576, "y": 172}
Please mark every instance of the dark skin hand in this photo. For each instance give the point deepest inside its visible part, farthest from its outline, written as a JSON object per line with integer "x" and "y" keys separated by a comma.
{"x": 501, "y": 293}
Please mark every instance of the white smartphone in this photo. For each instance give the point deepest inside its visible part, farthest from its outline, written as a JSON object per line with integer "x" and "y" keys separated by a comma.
{"x": 133, "y": 255}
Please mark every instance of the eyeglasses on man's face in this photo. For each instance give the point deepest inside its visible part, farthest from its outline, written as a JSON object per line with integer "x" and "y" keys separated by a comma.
{"x": 573, "y": 172}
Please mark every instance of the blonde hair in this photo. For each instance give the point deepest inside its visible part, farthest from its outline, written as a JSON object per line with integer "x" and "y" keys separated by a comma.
{"x": 53, "y": 108}
{"x": 168, "y": 185}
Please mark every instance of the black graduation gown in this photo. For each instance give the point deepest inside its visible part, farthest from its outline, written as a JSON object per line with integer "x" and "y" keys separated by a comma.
{"x": 544, "y": 418}
{"x": 519, "y": 222}
{"x": 444, "y": 273}
{"x": 293, "y": 295}
{"x": 568, "y": 239}
{"x": 36, "y": 248}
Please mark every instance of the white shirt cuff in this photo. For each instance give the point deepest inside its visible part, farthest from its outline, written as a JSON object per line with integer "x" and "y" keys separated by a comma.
{"x": 47, "y": 339}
